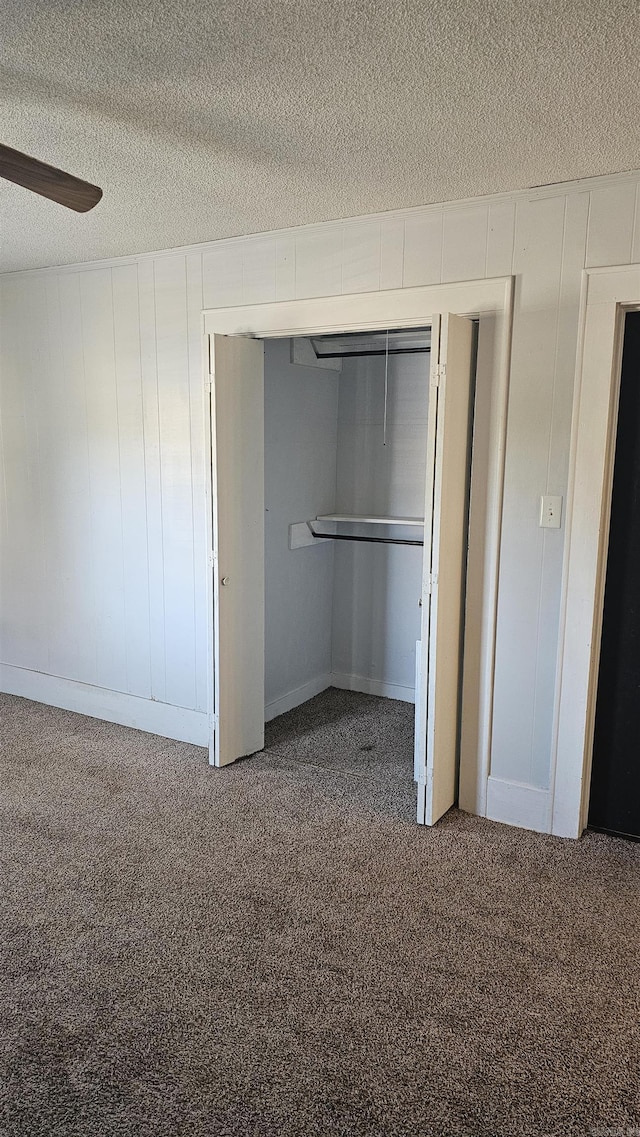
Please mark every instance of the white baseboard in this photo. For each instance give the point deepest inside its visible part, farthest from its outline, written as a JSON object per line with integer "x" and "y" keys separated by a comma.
{"x": 515, "y": 803}
{"x": 295, "y": 698}
{"x": 344, "y": 683}
{"x": 179, "y": 723}
{"x": 369, "y": 686}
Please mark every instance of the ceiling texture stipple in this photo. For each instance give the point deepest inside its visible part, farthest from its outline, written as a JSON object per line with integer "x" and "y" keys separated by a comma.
{"x": 214, "y": 118}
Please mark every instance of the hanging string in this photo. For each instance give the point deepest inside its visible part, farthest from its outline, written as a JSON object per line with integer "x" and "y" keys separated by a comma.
{"x": 386, "y": 390}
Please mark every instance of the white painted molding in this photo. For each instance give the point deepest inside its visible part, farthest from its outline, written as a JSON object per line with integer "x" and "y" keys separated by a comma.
{"x": 367, "y": 686}
{"x": 179, "y": 723}
{"x": 606, "y": 294}
{"x": 344, "y": 683}
{"x": 515, "y": 803}
{"x": 297, "y": 697}
{"x": 485, "y": 530}
{"x": 361, "y": 311}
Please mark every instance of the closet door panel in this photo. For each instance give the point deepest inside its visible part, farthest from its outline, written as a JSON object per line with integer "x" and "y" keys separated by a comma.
{"x": 444, "y": 567}
{"x": 237, "y": 496}
{"x": 422, "y": 645}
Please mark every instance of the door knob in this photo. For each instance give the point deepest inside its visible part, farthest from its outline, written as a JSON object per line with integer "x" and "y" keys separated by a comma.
{"x": 225, "y": 580}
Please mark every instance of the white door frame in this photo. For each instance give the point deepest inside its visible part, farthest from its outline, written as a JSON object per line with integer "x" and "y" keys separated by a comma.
{"x": 491, "y": 301}
{"x": 607, "y": 294}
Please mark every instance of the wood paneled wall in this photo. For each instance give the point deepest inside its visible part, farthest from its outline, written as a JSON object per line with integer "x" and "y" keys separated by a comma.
{"x": 103, "y": 569}
{"x": 102, "y": 500}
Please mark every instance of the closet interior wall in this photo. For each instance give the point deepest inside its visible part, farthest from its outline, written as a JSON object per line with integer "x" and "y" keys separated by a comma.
{"x": 340, "y": 613}
{"x": 377, "y": 588}
{"x": 301, "y": 438}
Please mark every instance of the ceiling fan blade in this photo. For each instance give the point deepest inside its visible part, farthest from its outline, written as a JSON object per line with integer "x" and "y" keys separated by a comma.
{"x": 47, "y": 180}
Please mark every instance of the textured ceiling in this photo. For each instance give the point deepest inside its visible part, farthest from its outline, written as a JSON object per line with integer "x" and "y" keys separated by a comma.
{"x": 204, "y": 119}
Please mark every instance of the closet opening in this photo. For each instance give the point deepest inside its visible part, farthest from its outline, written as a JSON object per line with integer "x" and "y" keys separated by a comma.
{"x": 319, "y": 437}
{"x": 346, "y": 453}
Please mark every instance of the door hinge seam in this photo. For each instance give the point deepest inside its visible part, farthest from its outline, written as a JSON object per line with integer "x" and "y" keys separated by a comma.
{"x": 440, "y": 372}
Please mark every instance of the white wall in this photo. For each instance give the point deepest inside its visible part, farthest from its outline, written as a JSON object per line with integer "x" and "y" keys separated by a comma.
{"x": 102, "y": 574}
{"x": 72, "y": 556}
{"x": 301, "y": 428}
{"x": 376, "y": 618}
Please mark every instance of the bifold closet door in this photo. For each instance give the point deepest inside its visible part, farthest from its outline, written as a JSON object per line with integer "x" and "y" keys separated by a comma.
{"x": 445, "y": 548}
{"x": 236, "y": 366}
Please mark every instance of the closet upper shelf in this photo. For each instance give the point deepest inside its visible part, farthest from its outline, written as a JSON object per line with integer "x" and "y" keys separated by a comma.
{"x": 381, "y": 530}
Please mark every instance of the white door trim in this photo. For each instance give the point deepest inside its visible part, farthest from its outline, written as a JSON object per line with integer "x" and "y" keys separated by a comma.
{"x": 491, "y": 300}
{"x": 607, "y": 293}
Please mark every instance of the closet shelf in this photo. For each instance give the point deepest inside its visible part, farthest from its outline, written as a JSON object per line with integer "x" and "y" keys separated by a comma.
{"x": 379, "y": 530}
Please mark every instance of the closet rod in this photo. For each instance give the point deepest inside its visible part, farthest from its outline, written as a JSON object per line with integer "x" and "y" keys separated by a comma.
{"x": 372, "y": 540}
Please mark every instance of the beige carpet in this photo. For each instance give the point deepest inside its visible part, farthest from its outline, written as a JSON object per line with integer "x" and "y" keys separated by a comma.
{"x": 274, "y": 949}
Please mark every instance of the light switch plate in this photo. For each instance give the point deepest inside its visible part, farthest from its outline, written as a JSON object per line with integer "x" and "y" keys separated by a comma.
{"x": 550, "y": 511}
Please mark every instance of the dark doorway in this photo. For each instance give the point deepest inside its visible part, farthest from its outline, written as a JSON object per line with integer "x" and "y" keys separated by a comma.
{"x": 615, "y": 781}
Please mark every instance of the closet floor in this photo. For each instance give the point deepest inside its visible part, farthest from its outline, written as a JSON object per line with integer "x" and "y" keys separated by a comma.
{"x": 367, "y": 739}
